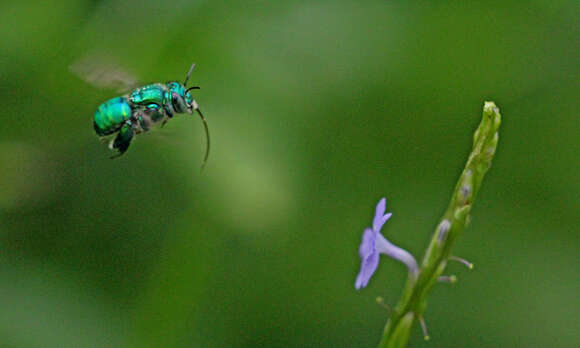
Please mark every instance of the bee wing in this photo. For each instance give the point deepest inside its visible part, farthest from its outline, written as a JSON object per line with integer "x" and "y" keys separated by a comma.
{"x": 104, "y": 72}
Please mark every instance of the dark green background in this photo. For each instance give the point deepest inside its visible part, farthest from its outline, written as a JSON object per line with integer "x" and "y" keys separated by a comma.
{"x": 316, "y": 110}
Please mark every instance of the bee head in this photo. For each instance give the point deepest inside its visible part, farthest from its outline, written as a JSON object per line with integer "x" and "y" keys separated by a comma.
{"x": 179, "y": 98}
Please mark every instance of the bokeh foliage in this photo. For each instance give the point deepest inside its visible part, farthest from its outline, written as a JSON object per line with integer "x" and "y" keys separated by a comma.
{"x": 316, "y": 109}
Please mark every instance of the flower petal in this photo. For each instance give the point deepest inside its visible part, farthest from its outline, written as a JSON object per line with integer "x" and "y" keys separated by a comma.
{"x": 383, "y": 220}
{"x": 380, "y": 217}
{"x": 378, "y": 223}
{"x": 367, "y": 269}
{"x": 367, "y": 246}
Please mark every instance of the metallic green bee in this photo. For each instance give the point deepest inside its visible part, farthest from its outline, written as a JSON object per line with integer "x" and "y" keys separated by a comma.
{"x": 141, "y": 109}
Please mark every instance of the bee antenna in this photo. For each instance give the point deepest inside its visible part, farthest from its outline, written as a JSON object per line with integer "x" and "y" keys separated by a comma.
{"x": 190, "y": 88}
{"x": 206, "y": 136}
{"x": 188, "y": 74}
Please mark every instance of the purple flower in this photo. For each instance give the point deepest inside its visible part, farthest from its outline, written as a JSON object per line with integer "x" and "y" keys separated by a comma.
{"x": 373, "y": 243}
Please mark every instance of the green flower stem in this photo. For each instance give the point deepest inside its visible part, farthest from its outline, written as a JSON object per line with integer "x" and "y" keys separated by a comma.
{"x": 413, "y": 302}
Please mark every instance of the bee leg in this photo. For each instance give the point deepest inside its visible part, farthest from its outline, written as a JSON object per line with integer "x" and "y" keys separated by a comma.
{"x": 122, "y": 141}
{"x": 150, "y": 115}
{"x": 142, "y": 122}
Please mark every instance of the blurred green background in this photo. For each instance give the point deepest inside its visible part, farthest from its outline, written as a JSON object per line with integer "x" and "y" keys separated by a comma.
{"x": 316, "y": 110}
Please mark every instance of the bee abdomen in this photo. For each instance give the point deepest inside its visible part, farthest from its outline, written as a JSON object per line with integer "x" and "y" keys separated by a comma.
{"x": 111, "y": 115}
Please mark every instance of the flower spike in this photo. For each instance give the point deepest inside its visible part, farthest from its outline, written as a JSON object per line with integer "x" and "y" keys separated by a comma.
{"x": 413, "y": 301}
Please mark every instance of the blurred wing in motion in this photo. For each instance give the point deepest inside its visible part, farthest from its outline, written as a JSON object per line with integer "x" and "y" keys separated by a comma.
{"x": 103, "y": 72}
